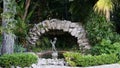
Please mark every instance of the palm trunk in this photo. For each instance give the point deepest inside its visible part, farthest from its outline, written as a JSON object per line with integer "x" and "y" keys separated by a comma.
{"x": 8, "y": 37}
{"x": 108, "y": 15}
{"x": 7, "y": 44}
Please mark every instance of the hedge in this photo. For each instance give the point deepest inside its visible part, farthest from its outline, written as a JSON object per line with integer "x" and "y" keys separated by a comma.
{"x": 17, "y": 59}
{"x": 76, "y": 59}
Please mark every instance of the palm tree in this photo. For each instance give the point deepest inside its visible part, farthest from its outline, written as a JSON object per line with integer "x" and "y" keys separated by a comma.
{"x": 104, "y": 7}
{"x": 8, "y": 24}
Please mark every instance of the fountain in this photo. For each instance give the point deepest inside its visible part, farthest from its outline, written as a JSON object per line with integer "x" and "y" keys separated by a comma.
{"x": 51, "y": 61}
{"x": 54, "y": 51}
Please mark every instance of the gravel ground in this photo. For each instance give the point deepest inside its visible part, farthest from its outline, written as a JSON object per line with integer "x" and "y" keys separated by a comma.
{"x": 59, "y": 63}
{"x": 56, "y": 66}
{"x": 101, "y": 66}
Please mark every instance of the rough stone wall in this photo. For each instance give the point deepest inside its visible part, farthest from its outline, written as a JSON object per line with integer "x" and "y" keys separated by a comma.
{"x": 75, "y": 29}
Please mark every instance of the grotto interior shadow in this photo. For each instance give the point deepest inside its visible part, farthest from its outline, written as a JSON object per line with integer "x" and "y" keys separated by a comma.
{"x": 65, "y": 42}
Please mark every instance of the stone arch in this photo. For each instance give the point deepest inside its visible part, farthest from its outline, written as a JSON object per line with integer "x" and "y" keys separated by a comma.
{"x": 74, "y": 28}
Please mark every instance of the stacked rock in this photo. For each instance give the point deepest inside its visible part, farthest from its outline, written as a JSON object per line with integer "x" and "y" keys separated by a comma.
{"x": 74, "y": 28}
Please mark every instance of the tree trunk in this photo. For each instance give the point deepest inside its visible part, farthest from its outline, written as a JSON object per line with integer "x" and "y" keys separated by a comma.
{"x": 7, "y": 36}
{"x": 108, "y": 15}
{"x": 7, "y": 44}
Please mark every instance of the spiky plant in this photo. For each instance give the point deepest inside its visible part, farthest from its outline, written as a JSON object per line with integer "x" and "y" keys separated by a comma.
{"x": 104, "y": 7}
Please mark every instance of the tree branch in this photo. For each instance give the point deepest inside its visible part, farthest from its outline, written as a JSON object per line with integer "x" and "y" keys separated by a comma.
{"x": 27, "y": 4}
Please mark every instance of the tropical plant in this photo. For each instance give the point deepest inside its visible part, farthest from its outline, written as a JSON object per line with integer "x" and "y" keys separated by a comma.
{"x": 19, "y": 48}
{"x": 106, "y": 47}
{"x": 97, "y": 29}
{"x": 23, "y": 17}
{"x": 105, "y": 7}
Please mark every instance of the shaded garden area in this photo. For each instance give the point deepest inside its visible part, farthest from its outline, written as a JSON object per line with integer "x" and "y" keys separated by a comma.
{"x": 99, "y": 18}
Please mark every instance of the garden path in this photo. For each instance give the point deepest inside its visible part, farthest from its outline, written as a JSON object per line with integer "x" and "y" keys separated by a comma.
{"x": 60, "y": 63}
{"x": 101, "y": 66}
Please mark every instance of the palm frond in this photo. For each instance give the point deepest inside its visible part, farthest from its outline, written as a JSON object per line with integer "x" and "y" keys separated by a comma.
{"x": 102, "y": 6}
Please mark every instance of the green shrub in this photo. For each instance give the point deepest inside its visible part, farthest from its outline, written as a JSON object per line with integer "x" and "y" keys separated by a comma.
{"x": 19, "y": 48}
{"x": 70, "y": 57}
{"x": 105, "y": 47}
{"x": 89, "y": 60}
{"x": 98, "y": 28}
{"x": 17, "y": 59}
